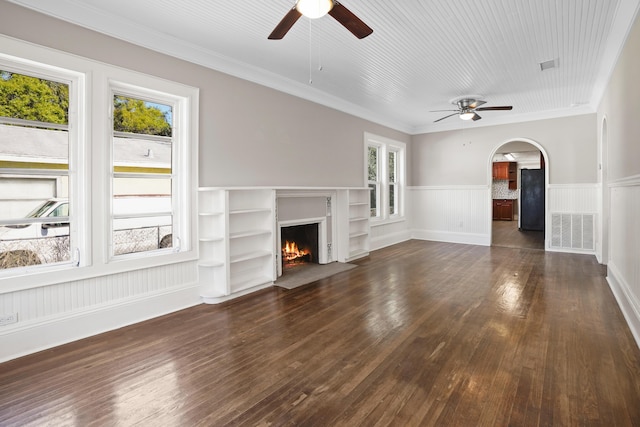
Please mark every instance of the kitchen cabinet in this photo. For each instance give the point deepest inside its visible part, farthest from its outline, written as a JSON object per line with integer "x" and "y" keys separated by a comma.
{"x": 503, "y": 209}
{"x": 506, "y": 171}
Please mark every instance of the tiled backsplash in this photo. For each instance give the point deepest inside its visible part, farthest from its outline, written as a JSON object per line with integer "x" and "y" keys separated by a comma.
{"x": 500, "y": 190}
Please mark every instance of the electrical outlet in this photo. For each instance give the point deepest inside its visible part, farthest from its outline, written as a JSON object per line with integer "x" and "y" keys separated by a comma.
{"x": 7, "y": 319}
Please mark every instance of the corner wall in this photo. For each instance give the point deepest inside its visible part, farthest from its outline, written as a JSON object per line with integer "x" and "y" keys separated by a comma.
{"x": 620, "y": 148}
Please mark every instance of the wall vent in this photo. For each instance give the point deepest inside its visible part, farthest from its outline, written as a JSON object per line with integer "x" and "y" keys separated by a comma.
{"x": 573, "y": 231}
{"x": 546, "y": 65}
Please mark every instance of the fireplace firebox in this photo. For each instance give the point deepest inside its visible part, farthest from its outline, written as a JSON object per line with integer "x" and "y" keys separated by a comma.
{"x": 299, "y": 244}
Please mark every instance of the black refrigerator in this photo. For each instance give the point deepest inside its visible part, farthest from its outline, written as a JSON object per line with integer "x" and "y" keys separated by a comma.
{"x": 532, "y": 199}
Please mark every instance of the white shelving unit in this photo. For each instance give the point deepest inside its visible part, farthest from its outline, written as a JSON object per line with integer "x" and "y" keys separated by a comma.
{"x": 237, "y": 234}
{"x": 212, "y": 242}
{"x": 353, "y": 225}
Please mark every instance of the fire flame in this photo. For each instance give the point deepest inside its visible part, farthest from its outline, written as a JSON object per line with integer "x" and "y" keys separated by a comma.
{"x": 291, "y": 252}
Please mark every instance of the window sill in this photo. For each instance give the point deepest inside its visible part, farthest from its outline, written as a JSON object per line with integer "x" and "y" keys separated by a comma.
{"x": 379, "y": 222}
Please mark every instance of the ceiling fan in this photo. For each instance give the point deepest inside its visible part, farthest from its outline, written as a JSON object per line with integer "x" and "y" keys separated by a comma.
{"x": 467, "y": 108}
{"x": 318, "y": 8}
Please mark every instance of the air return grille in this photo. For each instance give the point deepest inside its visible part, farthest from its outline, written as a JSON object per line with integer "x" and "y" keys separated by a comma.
{"x": 572, "y": 231}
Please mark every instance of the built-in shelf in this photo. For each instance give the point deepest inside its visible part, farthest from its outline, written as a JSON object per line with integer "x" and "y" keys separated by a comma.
{"x": 248, "y": 211}
{"x": 360, "y": 218}
{"x": 236, "y": 247}
{"x": 211, "y": 239}
{"x": 211, "y": 264}
{"x": 354, "y": 226}
{"x": 251, "y": 283}
{"x": 358, "y": 234}
{"x": 248, "y": 233}
{"x": 250, "y": 255}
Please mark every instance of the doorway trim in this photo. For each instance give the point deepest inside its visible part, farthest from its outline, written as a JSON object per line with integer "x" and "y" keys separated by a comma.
{"x": 602, "y": 253}
{"x": 547, "y": 219}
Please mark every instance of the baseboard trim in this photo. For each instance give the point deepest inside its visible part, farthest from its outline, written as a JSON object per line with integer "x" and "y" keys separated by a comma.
{"x": 449, "y": 237}
{"x": 44, "y": 334}
{"x": 573, "y": 251}
{"x": 207, "y": 299}
{"x": 629, "y": 307}
{"x": 389, "y": 239}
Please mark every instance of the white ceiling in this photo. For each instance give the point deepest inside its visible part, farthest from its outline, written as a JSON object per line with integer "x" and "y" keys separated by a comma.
{"x": 422, "y": 53}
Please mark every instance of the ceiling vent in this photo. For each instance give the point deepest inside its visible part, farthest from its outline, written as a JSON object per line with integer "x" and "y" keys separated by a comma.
{"x": 552, "y": 63}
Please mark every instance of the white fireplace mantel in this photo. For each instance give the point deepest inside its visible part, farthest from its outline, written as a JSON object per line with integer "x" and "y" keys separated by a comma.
{"x": 239, "y": 232}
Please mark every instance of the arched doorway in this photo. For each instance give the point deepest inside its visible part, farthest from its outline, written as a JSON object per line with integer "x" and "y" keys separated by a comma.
{"x": 518, "y": 205}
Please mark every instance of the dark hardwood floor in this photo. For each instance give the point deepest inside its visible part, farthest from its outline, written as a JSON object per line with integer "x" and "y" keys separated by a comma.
{"x": 506, "y": 233}
{"x": 419, "y": 334}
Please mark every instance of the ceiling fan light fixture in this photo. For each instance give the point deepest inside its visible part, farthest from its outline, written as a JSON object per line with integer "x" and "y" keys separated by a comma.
{"x": 314, "y": 9}
{"x": 467, "y": 115}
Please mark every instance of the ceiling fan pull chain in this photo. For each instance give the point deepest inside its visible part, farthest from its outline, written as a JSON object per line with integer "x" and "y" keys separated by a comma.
{"x": 319, "y": 53}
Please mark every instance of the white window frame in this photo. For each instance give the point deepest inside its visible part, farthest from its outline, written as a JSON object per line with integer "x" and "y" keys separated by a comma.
{"x": 76, "y": 172}
{"x": 386, "y": 146}
{"x": 377, "y": 183}
{"x": 90, "y": 163}
{"x": 179, "y": 143}
{"x": 184, "y": 101}
{"x": 394, "y": 183}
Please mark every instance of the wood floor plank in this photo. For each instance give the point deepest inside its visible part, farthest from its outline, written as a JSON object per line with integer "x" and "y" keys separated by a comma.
{"x": 419, "y": 334}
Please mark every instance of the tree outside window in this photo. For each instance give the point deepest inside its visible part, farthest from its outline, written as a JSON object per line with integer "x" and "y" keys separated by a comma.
{"x": 34, "y": 171}
{"x": 142, "y": 175}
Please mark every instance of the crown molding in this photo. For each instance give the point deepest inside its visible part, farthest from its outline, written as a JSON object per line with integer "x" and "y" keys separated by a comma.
{"x": 78, "y": 13}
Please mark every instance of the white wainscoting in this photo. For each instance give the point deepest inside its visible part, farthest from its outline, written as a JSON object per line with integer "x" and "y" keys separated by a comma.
{"x": 462, "y": 214}
{"x": 389, "y": 233}
{"x": 457, "y": 214}
{"x": 624, "y": 249}
{"x": 52, "y": 315}
{"x": 573, "y": 198}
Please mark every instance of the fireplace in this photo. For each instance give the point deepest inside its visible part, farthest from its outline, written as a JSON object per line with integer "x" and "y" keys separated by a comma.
{"x": 299, "y": 244}
{"x": 302, "y": 241}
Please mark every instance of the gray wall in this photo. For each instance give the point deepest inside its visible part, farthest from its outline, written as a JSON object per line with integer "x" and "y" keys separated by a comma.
{"x": 462, "y": 157}
{"x": 621, "y": 107}
{"x": 250, "y": 135}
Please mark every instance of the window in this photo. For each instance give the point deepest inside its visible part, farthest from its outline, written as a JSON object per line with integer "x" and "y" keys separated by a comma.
{"x": 149, "y": 192}
{"x": 67, "y": 177}
{"x": 393, "y": 182}
{"x": 142, "y": 180}
{"x": 36, "y": 173}
{"x": 385, "y": 160}
{"x": 373, "y": 154}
